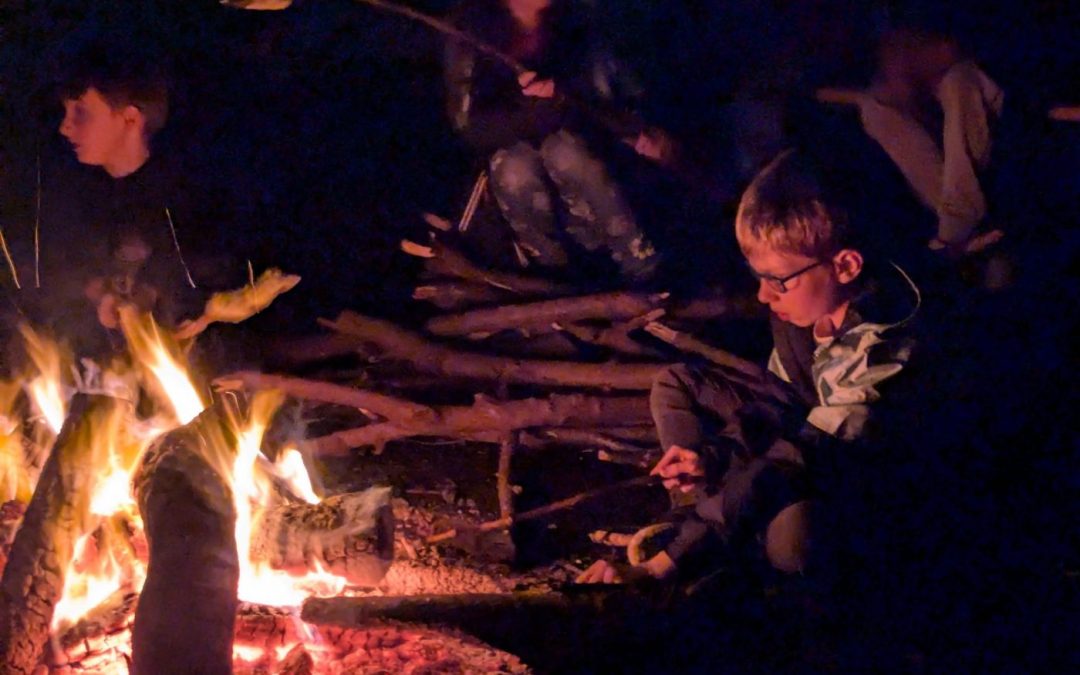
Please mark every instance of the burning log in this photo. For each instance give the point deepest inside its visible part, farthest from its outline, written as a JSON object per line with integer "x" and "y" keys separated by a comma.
{"x": 326, "y": 392}
{"x": 58, "y": 513}
{"x": 350, "y": 535}
{"x": 489, "y": 420}
{"x": 442, "y": 260}
{"x": 433, "y": 358}
{"x": 103, "y": 634}
{"x": 186, "y": 613}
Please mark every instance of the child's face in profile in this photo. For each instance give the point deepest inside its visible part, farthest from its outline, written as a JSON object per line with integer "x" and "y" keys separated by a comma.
{"x": 97, "y": 133}
{"x": 801, "y": 299}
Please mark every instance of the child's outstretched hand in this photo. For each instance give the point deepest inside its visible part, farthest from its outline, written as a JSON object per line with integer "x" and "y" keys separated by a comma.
{"x": 680, "y": 468}
{"x": 659, "y": 566}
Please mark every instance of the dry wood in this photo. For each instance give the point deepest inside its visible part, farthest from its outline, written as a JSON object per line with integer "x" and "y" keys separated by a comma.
{"x": 502, "y": 477}
{"x": 185, "y": 619}
{"x": 57, "y": 515}
{"x": 689, "y": 343}
{"x": 351, "y": 535}
{"x": 487, "y": 420}
{"x": 430, "y": 357}
{"x": 443, "y": 260}
{"x": 543, "y": 511}
{"x": 386, "y": 407}
{"x": 453, "y": 295}
{"x": 616, "y": 337}
{"x": 579, "y": 437}
{"x": 538, "y": 316}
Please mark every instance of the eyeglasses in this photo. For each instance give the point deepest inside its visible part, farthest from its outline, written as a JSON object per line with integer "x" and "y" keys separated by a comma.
{"x": 779, "y": 284}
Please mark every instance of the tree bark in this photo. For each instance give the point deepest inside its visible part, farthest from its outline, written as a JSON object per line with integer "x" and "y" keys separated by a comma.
{"x": 58, "y": 513}
{"x": 383, "y": 406}
{"x": 454, "y": 295}
{"x": 186, "y": 614}
{"x": 488, "y": 420}
{"x": 538, "y": 316}
{"x": 433, "y": 358}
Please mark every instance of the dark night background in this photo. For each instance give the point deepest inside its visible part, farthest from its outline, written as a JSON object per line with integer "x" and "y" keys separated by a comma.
{"x": 318, "y": 136}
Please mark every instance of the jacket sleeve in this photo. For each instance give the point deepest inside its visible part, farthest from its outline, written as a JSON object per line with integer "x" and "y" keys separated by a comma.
{"x": 490, "y": 120}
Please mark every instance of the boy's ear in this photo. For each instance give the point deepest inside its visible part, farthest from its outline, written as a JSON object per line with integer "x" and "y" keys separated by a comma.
{"x": 848, "y": 265}
{"x": 132, "y": 115}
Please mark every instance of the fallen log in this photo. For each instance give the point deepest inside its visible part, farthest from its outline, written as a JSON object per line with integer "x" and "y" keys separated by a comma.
{"x": 58, "y": 513}
{"x": 386, "y": 407}
{"x": 441, "y": 259}
{"x": 350, "y": 535}
{"x": 186, "y": 614}
{"x": 430, "y": 357}
{"x": 488, "y": 420}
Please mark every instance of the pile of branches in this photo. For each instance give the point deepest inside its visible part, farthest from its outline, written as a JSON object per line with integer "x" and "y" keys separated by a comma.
{"x": 507, "y": 359}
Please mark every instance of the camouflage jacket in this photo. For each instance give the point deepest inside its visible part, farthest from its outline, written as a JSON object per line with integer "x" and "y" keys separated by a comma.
{"x": 839, "y": 379}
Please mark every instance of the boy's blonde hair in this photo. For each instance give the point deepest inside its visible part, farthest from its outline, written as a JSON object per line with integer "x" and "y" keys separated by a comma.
{"x": 786, "y": 208}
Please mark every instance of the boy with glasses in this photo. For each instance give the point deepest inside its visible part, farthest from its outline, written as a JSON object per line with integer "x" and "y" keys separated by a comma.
{"x": 754, "y": 447}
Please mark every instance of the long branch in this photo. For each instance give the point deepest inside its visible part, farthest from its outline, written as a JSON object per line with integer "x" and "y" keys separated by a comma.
{"x": 490, "y": 420}
{"x": 430, "y": 357}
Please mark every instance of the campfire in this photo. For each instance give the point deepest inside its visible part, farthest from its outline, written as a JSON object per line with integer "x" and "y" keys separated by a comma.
{"x": 150, "y": 526}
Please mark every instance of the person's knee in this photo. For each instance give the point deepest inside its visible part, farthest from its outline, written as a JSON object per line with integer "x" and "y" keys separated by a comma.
{"x": 789, "y": 539}
{"x": 515, "y": 169}
{"x": 566, "y": 156}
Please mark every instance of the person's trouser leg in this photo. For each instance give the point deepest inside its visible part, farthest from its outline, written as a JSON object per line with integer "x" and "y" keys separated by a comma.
{"x": 517, "y": 181}
{"x": 599, "y": 215}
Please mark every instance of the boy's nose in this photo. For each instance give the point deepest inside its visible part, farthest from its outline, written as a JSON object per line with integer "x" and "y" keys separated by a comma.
{"x": 765, "y": 294}
{"x": 66, "y": 126}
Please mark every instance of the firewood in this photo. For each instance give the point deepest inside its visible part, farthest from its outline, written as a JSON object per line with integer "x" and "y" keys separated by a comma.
{"x": 452, "y": 295}
{"x": 386, "y": 407}
{"x": 434, "y": 358}
{"x": 579, "y": 437}
{"x": 486, "y": 419}
{"x": 186, "y": 614}
{"x": 616, "y": 337}
{"x": 351, "y": 535}
{"x": 443, "y": 260}
{"x": 502, "y": 477}
{"x": 104, "y": 632}
{"x": 289, "y": 352}
{"x": 58, "y": 513}
{"x": 538, "y": 316}
{"x": 688, "y": 343}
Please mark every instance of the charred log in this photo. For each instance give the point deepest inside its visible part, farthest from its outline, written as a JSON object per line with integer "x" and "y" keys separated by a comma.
{"x": 58, "y": 513}
{"x": 186, "y": 613}
{"x": 351, "y": 535}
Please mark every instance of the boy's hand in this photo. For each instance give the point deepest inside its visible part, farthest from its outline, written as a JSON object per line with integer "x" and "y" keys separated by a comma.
{"x": 606, "y": 572}
{"x": 531, "y": 86}
{"x": 656, "y": 145}
{"x": 659, "y": 566}
{"x": 680, "y": 468}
